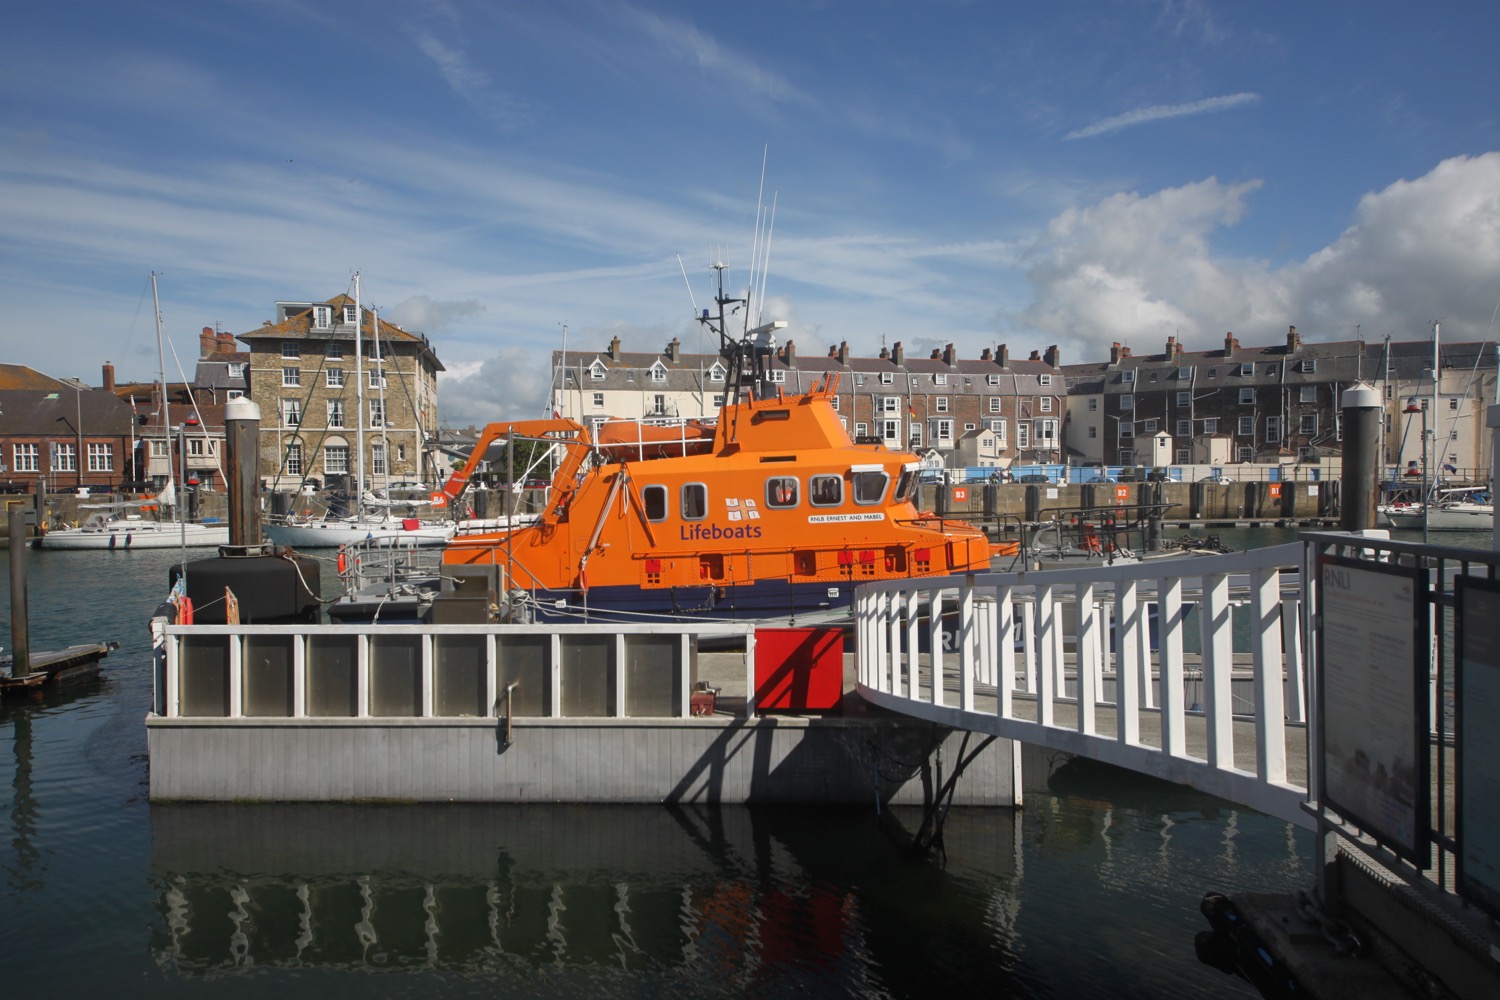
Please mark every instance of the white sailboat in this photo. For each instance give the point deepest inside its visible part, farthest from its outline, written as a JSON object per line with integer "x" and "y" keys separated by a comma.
{"x": 121, "y": 525}
{"x": 375, "y": 521}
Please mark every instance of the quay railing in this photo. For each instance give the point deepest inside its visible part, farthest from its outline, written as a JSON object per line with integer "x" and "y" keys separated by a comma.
{"x": 1101, "y": 661}
{"x": 439, "y": 672}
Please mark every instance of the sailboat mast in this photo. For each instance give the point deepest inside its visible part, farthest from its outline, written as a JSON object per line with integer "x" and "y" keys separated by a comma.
{"x": 169, "y": 494}
{"x": 359, "y": 398}
{"x": 385, "y": 444}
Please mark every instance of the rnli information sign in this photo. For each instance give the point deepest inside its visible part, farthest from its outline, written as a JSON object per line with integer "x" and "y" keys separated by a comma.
{"x": 1478, "y": 701}
{"x": 1372, "y": 686}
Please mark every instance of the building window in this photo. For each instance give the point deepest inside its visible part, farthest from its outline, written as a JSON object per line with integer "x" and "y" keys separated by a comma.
{"x": 1093, "y": 404}
{"x": 1184, "y": 456}
{"x": 1184, "y": 428}
{"x": 1213, "y": 372}
{"x": 1246, "y": 426}
{"x": 377, "y": 459}
{"x": 1270, "y": 371}
{"x": 1307, "y": 394}
{"x": 291, "y": 412}
{"x": 377, "y": 378}
{"x": 890, "y": 430}
{"x": 970, "y": 427}
{"x": 1210, "y": 425}
{"x": 598, "y": 400}
{"x": 101, "y": 457}
{"x": 890, "y": 404}
{"x": 1127, "y": 456}
{"x": 195, "y": 447}
{"x": 336, "y": 459}
{"x": 1127, "y": 431}
{"x": 1184, "y": 399}
{"x": 658, "y": 373}
{"x": 322, "y": 317}
{"x": 861, "y": 429}
{"x": 377, "y": 413}
{"x": 1023, "y": 435}
{"x": 335, "y": 413}
{"x": 1273, "y": 429}
{"x": 1127, "y": 402}
{"x": 1309, "y": 364}
{"x": 1184, "y": 374}
{"x": 1148, "y": 427}
{"x": 291, "y": 350}
{"x": 719, "y": 399}
{"x": 1308, "y": 424}
{"x": 1093, "y": 433}
{"x": 64, "y": 458}
{"x": 1128, "y": 375}
{"x": 333, "y": 378}
{"x": 1247, "y": 397}
{"x": 887, "y": 378}
{"x": 1046, "y": 404}
{"x": 916, "y": 436}
{"x": 939, "y": 380}
{"x": 1247, "y": 368}
{"x": 1046, "y": 433}
{"x": 994, "y": 404}
{"x": 998, "y": 426}
{"x": 25, "y": 458}
{"x": 236, "y": 371}
{"x": 291, "y": 376}
{"x": 348, "y": 314}
{"x": 596, "y": 371}
{"x": 992, "y": 379}
{"x": 1246, "y": 454}
{"x": 940, "y": 404}
{"x": 294, "y": 459}
{"x": 716, "y": 373}
{"x": 835, "y": 401}
{"x": 1453, "y": 404}
{"x": 1044, "y": 380}
{"x": 942, "y": 430}
{"x": 335, "y": 350}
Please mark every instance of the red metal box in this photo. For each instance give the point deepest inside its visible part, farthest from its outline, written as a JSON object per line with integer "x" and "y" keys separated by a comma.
{"x": 799, "y": 669}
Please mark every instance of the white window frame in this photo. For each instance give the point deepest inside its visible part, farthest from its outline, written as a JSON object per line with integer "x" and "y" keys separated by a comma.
{"x": 348, "y": 313}
{"x": 777, "y": 376}
{"x": 1045, "y": 404}
{"x": 1308, "y": 424}
{"x": 940, "y": 379}
{"x": 598, "y": 400}
{"x": 998, "y": 427}
{"x": 716, "y": 372}
{"x": 1044, "y": 380}
{"x": 1150, "y": 426}
{"x": 331, "y": 459}
{"x": 336, "y": 414}
{"x": 1307, "y": 394}
{"x": 291, "y": 350}
{"x": 1023, "y": 435}
{"x": 1093, "y": 404}
{"x": 1245, "y": 453}
{"x": 1184, "y": 428}
{"x": 64, "y": 458}
{"x": 1126, "y": 431}
{"x": 992, "y": 379}
{"x": 1127, "y": 402}
{"x": 291, "y": 413}
{"x": 658, "y": 372}
{"x": 1245, "y": 426}
{"x": 322, "y": 317}
{"x": 291, "y": 377}
{"x": 1184, "y": 398}
{"x": 890, "y": 404}
{"x": 1273, "y": 427}
{"x": 26, "y": 458}
{"x": 940, "y": 404}
{"x": 101, "y": 457}
{"x": 1247, "y": 396}
{"x": 995, "y": 404}
{"x": 1210, "y": 425}
{"x": 377, "y": 412}
{"x": 1247, "y": 368}
{"x": 333, "y": 378}
{"x": 887, "y": 378}
{"x": 1128, "y": 375}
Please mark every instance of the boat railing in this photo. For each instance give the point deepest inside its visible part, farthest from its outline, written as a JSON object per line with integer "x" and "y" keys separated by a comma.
{"x": 438, "y": 674}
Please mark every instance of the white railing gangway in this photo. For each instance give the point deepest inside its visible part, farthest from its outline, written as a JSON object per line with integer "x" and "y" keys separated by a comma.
{"x": 1099, "y": 661}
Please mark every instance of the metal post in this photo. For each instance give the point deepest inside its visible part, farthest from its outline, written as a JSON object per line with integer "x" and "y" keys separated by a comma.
{"x": 1361, "y": 456}
{"x": 241, "y": 429}
{"x": 20, "y": 629}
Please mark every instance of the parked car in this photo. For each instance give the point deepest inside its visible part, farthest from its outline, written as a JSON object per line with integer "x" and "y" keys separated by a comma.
{"x": 1033, "y": 477}
{"x": 1216, "y": 479}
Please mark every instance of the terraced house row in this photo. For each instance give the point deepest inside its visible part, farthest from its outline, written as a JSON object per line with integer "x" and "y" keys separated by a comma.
{"x": 1231, "y": 405}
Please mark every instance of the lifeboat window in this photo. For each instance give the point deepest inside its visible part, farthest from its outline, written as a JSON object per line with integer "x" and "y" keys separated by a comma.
{"x": 655, "y": 499}
{"x": 869, "y": 487}
{"x": 825, "y": 491}
{"x": 694, "y": 502}
{"x": 904, "y": 485}
{"x": 781, "y": 491}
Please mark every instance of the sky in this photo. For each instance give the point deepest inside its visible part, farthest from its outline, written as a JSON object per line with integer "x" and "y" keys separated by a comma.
{"x": 514, "y": 178}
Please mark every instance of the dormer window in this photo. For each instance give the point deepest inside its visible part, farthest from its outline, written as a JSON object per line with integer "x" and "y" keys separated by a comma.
{"x": 992, "y": 379}
{"x": 658, "y": 372}
{"x": 322, "y": 317}
{"x": 1184, "y": 373}
{"x": 1127, "y": 376}
{"x": 887, "y": 378}
{"x": 716, "y": 373}
{"x": 1044, "y": 380}
{"x": 1309, "y": 364}
{"x": 348, "y": 314}
{"x": 777, "y": 376}
{"x": 939, "y": 380}
{"x": 236, "y": 371}
{"x": 596, "y": 370}
{"x": 1247, "y": 369}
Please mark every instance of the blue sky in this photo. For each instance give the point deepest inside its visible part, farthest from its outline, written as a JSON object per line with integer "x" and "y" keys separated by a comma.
{"x": 943, "y": 172}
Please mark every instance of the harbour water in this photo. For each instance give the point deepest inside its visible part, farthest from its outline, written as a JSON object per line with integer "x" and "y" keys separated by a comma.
{"x": 1091, "y": 890}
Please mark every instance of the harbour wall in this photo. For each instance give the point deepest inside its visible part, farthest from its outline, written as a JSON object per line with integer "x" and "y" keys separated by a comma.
{"x": 1232, "y": 502}
{"x": 769, "y": 759}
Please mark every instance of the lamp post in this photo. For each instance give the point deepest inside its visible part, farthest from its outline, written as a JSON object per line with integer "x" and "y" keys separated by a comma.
{"x": 191, "y": 421}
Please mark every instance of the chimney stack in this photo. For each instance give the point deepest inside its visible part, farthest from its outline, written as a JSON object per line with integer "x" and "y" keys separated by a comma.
{"x": 936, "y": 355}
{"x": 986, "y": 355}
{"x": 898, "y": 355}
{"x": 1172, "y": 348}
{"x": 1035, "y": 356}
{"x": 1002, "y": 355}
{"x": 674, "y": 351}
{"x": 885, "y": 354}
{"x": 1230, "y": 345}
{"x": 950, "y": 356}
{"x": 225, "y": 343}
{"x": 789, "y": 354}
{"x": 109, "y": 377}
{"x": 843, "y": 352}
{"x": 1293, "y": 340}
{"x": 614, "y": 349}
{"x": 1052, "y": 357}
{"x": 1114, "y": 353}
{"x": 208, "y": 343}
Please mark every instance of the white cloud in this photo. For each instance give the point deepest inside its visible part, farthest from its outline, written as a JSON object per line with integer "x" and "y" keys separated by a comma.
{"x": 511, "y": 385}
{"x": 1137, "y": 269}
{"x": 1162, "y": 112}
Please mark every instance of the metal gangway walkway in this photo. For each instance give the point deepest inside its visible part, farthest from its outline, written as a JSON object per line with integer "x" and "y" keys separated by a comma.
{"x": 1190, "y": 669}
